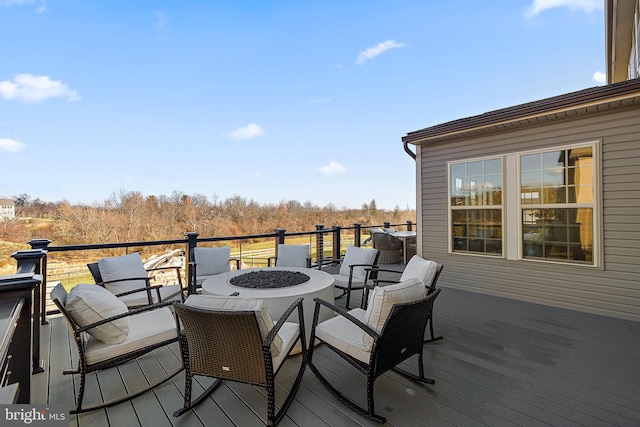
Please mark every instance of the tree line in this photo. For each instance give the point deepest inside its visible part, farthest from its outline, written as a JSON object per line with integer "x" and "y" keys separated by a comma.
{"x": 130, "y": 216}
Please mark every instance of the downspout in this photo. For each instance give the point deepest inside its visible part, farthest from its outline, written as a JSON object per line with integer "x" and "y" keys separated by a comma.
{"x": 418, "y": 201}
{"x": 408, "y": 151}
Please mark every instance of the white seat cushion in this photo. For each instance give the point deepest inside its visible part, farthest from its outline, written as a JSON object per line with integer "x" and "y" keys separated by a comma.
{"x": 265, "y": 321}
{"x": 382, "y": 300}
{"x": 89, "y": 304}
{"x": 345, "y": 335}
{"x": 420, "y": 268}
{"x": 123, "y": 267}
{"x": 356, "y": 255}
{"x": 147, "y": 328}
{"x": 212, "y": 260}
{"x": 288, "y": 334}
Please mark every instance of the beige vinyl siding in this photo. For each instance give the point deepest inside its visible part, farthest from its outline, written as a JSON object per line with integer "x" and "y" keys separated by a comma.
{"x": 612, "y": 289}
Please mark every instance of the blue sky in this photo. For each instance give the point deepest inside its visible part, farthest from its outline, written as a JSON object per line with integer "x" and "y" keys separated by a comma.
{"x": 268, "y": 100}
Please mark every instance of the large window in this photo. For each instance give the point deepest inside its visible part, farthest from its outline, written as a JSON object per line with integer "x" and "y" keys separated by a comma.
{"x": 557, "y": 203}
{"x": 541, "y": 205}
{"x": 476, "y": 206}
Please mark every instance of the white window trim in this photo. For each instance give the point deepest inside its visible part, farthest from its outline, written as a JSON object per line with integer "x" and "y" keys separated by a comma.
{"x": 511, "y": 205}
{"x": 501, "y": 207}
{"x": 597, "y": 202}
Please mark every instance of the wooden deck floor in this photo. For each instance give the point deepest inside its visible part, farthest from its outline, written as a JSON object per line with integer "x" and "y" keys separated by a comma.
{"x": 501, "y": 363}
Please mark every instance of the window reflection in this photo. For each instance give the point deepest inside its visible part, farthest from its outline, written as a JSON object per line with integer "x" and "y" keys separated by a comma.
{"x": 554, "y": 181}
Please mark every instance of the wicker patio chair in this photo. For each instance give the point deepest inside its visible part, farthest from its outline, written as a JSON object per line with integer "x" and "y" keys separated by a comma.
{"x": 234, "y": 339}
{"x": 356, "y": 268}
{"x": 376, "y": 344}
{"x": 419, "y": 268}
{"x": 207, "y": 262}
{"x": 126, "y": 277}
{"x": 108, "y": 334}
{"x": 291, "y": 256}
{"x": 390, "y": 247}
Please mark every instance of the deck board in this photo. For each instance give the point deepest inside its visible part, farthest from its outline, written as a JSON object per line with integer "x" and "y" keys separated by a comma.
{"x": 501, "y": 363}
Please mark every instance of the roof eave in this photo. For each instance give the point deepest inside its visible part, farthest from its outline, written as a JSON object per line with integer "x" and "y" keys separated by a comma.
{"x": 605, "y": 97}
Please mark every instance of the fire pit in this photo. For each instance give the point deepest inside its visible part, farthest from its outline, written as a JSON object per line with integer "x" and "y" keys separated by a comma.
{"x": 278, "y": 287}
{"x": 269, "y": 279}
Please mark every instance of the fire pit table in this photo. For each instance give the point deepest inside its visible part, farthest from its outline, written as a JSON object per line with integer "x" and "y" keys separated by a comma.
{"x": 317, "y": 284}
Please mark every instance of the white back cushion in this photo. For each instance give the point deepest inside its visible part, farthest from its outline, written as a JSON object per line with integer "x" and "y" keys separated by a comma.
{"x": 420, "y": 268}
{"x": 123, "y": 267}
{"x": 356, "y": 255}
{"x": 382, "y": 300}
{"x": 212, "y": 260}
{"x": 89, "y": 304}
{"x": 265, "y": 322}
{"x": 292, "y": 255}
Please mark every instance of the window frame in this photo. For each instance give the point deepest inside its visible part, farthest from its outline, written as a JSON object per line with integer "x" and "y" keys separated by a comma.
{"x": 475, "y": 207}
{"x": 512, "y": 206}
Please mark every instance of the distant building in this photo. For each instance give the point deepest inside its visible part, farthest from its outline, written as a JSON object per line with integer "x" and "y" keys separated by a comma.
{"x": 7, "y": 209}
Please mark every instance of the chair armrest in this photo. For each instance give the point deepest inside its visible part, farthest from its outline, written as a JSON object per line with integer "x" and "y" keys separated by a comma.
{"x": 274, "y": 331}
{"x": 344, "y": 313}
{"x": 376, "y": 281}
{"x": 146, "y": 288}
{"x": 170, "y": 267}
{"x": 386, "y": 270}
{"x": 129, "y": 313}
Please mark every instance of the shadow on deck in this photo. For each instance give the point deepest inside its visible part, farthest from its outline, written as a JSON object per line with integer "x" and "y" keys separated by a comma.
{"x": 501, "y": 363}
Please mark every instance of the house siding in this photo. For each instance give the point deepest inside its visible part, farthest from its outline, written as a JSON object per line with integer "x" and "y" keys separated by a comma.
{"x": 612, "y": 289}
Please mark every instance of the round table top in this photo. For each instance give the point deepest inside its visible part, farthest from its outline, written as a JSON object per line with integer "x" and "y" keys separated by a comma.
{"x": 220, "y": 284}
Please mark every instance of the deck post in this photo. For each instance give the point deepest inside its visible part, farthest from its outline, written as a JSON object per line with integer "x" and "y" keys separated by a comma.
{"x": 356, "y": 234}
{"x": 41, "y": 244}
{"x": 409, "y": 225}
{"x": 192, "y": 242}
{"x": 336, "y": 241}
{"x": 319, "y": 244}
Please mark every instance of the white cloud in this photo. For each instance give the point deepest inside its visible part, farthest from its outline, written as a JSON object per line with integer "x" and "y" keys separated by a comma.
{"x": 30, "y": 88}
{"x": 42, "y": 4}
{"x": 374, "y": 51}
{"x": 249, "y": 131}
{"x": 332, "y": 168}
{"x": 11, "y": 145}
{"x": 540, "y": 6}
{"x": 600, "y": 77}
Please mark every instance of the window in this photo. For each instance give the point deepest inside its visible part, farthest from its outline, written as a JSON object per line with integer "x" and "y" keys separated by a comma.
{"x": 556, "y": 204}
{"x": 476, "y": 206}
{"x": 540, "y": 204}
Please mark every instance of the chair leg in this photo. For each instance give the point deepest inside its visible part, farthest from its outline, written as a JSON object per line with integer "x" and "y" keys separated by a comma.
{"x": 275, "y": 419}
{"x": 417, "y": 378}
{"x": 79, "y": 409}
{"x": 433, "y": 338}
{"x": 348, "y": 296}
{"x": 190, "y": 404}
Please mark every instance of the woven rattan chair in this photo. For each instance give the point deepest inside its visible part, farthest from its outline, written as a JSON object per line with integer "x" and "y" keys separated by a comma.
{"x": 419, "y": 268}
{"x": 399, "y": 338}
{"x": 355, "y": 270}
{"x": 131, "y": 282}
{"x": 207, "y": 262}
{"x": 230, "y": 344}
{"x": 390, "y": 247}
{"x": 149, "y": 328}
